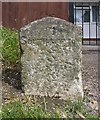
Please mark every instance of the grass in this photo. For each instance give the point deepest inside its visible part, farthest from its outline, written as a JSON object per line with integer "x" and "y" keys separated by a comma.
{"x": 28, "y": 108}
{"x": 10, "y": 49}
{"x": 20, "y": 110}
{"x": 23, "y": 109}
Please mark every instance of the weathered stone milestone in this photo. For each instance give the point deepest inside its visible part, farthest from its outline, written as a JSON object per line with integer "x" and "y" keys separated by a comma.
{"x": 51, "y": 61}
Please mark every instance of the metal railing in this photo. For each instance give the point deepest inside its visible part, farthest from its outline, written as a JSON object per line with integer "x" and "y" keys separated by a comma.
{"x": 87, "y": 15}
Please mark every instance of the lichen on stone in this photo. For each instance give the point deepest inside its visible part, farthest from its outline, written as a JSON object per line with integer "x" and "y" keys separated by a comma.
{"x": 51, "y": 62}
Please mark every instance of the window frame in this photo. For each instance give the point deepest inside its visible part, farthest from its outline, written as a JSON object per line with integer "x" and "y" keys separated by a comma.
{"x": 89, "y": 7}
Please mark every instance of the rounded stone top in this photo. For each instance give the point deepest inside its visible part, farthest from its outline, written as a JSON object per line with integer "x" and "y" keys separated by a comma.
{"x": 51, "y": 20}
{"x": 49, "y": 28}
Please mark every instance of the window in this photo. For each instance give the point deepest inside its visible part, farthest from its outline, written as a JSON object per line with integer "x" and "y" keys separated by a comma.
{"x": 78, "y": 16}
{"x": 86, "y": 15}
{"x": 95, "y": 12}
{"x": 82, "y": 14}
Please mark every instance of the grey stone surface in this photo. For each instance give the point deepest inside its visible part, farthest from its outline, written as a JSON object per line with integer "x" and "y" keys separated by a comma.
{"x": 51, "y": 62}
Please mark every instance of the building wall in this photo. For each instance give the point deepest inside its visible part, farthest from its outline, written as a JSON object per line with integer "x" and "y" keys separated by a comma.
{"x": 18, "y": 14}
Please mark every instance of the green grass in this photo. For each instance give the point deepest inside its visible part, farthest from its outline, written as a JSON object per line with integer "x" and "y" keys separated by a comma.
{"x": 31, "y": 109}
{"x": 10, "y": 48}
{"x": 18, "y": 109}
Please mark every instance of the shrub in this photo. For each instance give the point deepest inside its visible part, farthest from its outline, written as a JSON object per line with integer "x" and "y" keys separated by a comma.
{"x": 10, "y": 49}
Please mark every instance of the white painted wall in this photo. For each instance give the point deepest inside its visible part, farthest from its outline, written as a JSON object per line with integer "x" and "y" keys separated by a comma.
{"x": 92, "y": 28}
